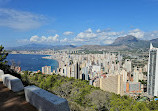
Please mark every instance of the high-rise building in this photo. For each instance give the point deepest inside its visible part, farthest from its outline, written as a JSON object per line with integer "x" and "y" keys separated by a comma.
{"x": 113, "y": 83}
{"x": 46, "y": 70}
{"x": 77, "y": 71}
{"x": 73, "y": 70}
{"x": 152, "y": 81}
{"x": 124, "y": 74}
{"x": 127, "y": 65}
{"x": 84, "y": 73}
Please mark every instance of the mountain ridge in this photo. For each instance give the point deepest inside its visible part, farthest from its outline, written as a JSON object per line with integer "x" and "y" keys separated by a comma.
{"x": 33, "y": 47}
{"x": 128, "y": 42}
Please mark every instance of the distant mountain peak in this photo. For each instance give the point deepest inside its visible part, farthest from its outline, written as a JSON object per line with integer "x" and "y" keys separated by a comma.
{"x": 154, "y": 40}
{"x": 125, "y": 40}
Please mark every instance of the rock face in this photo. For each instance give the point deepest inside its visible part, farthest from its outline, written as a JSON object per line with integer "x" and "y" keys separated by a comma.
{"x": 1, "y": 73}
{"x": 44, "y": 100}
{"x": 12, "y": 82}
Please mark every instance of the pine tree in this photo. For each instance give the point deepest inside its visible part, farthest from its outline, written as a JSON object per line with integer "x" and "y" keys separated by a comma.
{"x": 3, "y": 55}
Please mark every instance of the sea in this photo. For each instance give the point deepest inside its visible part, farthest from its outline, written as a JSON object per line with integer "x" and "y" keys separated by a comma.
{"x": 31, "y": 62}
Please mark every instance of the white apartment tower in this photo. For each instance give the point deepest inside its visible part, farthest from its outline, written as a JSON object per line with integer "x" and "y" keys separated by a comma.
{"x": 152, "y": 81}
{"x": 46, "y": 70}
{"x": 128, "y": 65}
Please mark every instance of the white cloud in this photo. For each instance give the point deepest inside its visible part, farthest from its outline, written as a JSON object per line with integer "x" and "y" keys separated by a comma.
{"x": 43, "y": 39}
{"x": 20, "y": 20}
{"x": 98, "y": 30}
{"x": 64, "y": 40}
{"x": 87, "y": 34}
{"x": 88, "y": 37}
{"x": 151, "y": 35}
{"x": 23, "y": 41}
{"x": 34, "y": 38}
{"x": 68, "y": 33}
{"x": 137, "y": 33}
{"x": 83, "y": 35}
{"x": 53, "y": 38}
{"x": 98, "y": 37}
{"x": 88, "y": 30}
{"x": 108, "y": 41}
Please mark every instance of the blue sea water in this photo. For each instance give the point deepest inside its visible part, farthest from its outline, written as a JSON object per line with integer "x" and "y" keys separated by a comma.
{"x": 32, "y": 62}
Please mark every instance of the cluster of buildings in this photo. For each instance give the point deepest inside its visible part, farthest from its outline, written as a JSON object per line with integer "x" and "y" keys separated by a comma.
{"x": 47, "y": 52}
{"x": 16, "y": 68}
{"x": 109, "y": 71}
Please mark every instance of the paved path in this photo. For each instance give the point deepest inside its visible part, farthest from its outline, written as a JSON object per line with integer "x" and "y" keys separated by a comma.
{"x": 10, "y": 101}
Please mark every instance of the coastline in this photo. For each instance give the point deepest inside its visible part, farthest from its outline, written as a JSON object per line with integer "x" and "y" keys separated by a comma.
{"x": 33, "y": 62}
{"x": 30, "y": 54}
{"x": 51, "y": 57}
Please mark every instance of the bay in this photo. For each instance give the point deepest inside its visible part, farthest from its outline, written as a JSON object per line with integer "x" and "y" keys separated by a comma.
{"x": 32, "y": 62}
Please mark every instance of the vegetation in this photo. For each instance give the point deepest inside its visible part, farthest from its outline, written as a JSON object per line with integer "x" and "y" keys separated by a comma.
{"x": 82, "y": 96}
{"x": 145, "y": 73}
{"x": 3, "y": 55}
{"x": 143, "y": 82}
{"x": 3, "y": 65}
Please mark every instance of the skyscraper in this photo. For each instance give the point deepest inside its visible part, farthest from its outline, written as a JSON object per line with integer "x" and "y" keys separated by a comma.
{"x": 77, "y": 71}
{"x": 46, "y": 70}
{"x": 127, "y": 65}
{"x": 152, "y": 81}
{"x": 84, "y": 73}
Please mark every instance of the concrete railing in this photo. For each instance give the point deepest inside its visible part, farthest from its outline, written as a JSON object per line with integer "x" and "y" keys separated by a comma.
{"x": 44, "y": 100}
{"x": 12, "y": 82}
{"x": 1, "y": 73}
{"x": 41, "y": 99}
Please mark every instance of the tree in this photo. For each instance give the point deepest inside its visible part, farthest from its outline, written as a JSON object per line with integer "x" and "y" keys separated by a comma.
{"x": 3, "y": 55}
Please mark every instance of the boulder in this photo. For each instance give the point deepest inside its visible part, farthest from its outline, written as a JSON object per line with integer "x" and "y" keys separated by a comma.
{"x": 44, "y": 100}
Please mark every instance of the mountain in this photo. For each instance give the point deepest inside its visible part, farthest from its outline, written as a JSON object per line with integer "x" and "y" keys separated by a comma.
{"x": 33, "y": 47}
{"x": 128, "y": 42}
{"x": 131, "y": 42}
{"x": 154, "y": 40}
{"x": 125, "y": 40}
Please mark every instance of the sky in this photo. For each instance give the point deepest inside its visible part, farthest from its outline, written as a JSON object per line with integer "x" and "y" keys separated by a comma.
{"x": 76, "y": 22}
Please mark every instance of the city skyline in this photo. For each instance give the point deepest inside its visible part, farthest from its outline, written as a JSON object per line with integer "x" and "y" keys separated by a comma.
{"x": 76, "y": 22}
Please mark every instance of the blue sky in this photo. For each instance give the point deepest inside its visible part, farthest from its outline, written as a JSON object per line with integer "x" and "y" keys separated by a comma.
{"x": 76, "y": 22}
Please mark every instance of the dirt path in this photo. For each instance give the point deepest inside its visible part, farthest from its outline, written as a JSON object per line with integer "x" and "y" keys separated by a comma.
{"x": 10, "y": 101}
